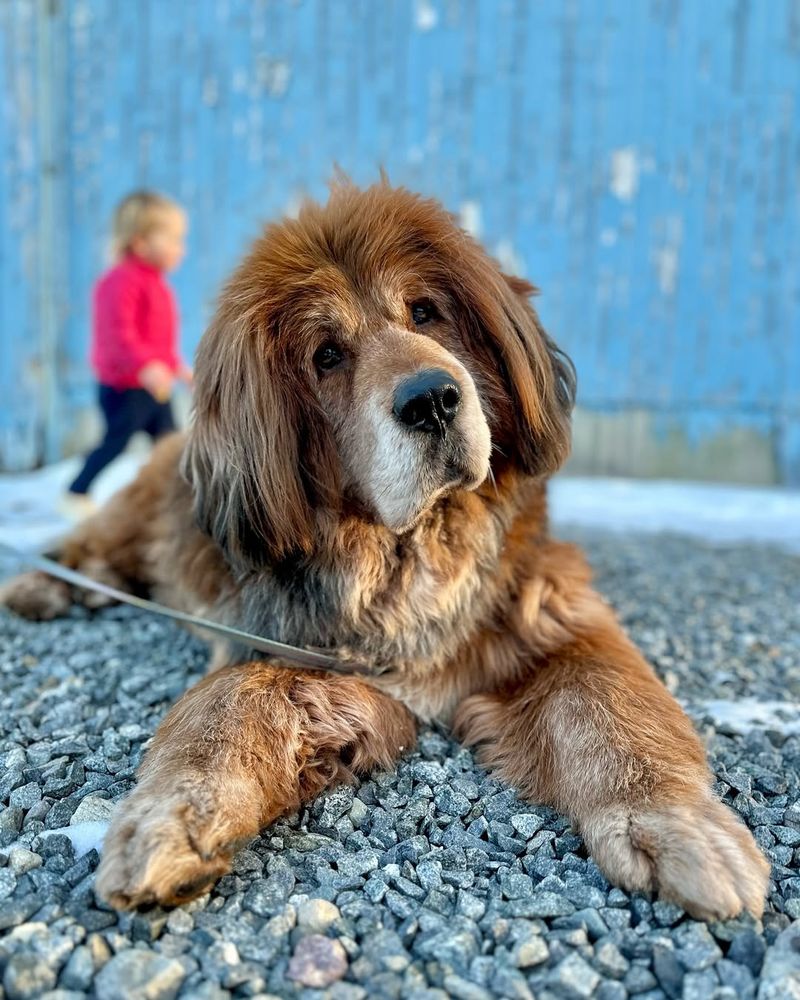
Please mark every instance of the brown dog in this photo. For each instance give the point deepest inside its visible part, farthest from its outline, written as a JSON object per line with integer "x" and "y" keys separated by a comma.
{"x": 377, "y": 410}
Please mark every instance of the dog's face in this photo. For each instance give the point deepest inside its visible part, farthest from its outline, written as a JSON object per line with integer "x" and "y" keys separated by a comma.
{"x": 367, "y": 356}
{"x": 381, "y": 357}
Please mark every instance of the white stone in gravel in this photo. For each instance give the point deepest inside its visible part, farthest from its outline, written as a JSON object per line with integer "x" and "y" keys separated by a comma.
{"x": 180, "y": 922}
{"x": 315, "y": 916}
{"x": 98, "y": 946}
{"x": 280, "y": 925}
{"x": 531, "y": 950}
{"x": 139, "y": 975}
{"x": 780, "y": 974}
{"x": 30, "y": 929}
{"x": 27, "y": 977}
{"x": 225, "y": 952}
{"x": 610, "y": 960}
{"x": 92, "y": 809}
{"x": 21, "y": 860}
{"x": 573, "y": 979}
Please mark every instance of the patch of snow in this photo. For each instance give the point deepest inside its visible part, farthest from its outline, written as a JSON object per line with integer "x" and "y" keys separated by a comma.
{"x": 85, "y": 837}
{"x": 708, "y": 511}
{"x": 745, "y": 714}
{"x": 30, "y": 518}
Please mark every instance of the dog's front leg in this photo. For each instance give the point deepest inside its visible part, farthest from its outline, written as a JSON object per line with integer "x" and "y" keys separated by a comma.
{"x": 245, "y": 745}
{"x": 594, "y": 733}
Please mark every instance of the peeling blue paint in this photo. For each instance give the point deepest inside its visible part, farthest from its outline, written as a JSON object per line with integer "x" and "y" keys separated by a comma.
{"x": 638, "y": 161}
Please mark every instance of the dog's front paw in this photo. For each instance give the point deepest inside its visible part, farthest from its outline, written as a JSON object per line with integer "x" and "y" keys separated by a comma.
{"x": 168, "y": 847}
{"x": 36, "y": 596}
{"x": 696, "y": 854}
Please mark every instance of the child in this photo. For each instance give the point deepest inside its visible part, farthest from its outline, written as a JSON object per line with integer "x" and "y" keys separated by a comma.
{"x": 134, "y": 334}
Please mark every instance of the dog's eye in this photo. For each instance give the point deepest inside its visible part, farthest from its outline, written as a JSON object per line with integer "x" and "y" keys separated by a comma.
{"x": 423, "y": 312}
{"x": 328, "y": 356}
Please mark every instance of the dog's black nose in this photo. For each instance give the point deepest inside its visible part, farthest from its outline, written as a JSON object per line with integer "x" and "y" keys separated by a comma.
{"x": 428, "y": 401}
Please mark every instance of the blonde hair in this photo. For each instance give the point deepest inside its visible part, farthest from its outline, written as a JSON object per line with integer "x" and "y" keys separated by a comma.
{"x": 138, "y": 215}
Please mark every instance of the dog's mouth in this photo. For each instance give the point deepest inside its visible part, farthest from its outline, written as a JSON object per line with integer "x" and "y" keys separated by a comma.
{"x": 453, "y": 477}
{"x": 461, "y": 476}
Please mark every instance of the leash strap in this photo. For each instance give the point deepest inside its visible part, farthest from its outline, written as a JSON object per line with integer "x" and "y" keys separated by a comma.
{"x": 297, "y": 656}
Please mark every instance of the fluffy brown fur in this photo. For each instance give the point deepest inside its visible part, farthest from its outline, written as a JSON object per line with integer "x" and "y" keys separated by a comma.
{"x": 302, "y": 507}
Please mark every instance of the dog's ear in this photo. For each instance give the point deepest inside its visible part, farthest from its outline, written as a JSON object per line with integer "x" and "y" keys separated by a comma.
{"x": 538, "y": 379}
{"x": 545, "y": 383}
{"x": 259, "y": 457}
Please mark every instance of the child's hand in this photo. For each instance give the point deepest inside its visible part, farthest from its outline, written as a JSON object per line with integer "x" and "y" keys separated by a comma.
{"x": 157, "y": 378}
{"x": 185, "y": 374}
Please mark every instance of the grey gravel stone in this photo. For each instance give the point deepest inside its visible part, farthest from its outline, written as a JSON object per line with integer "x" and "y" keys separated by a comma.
{"x": 527, "y": 824}
{"x": 79, "y": 971}
{"x": 139, "y": 975}
{"x": 666, "y": 914}
{"x": 511, "y": 983}
{"x": 541, "y": 904}
{"x": 463, "y": 989}
{"x": 700, "y": 985}
{"x": 8, "y": 882}
{"x": 639, "y": 980}
{"x": 609, "y": 960}
{"x": 10, "y": 823}
{"x": 738, "y": 977}
{"x": 26, "y": 796}
{"x": 697, "y": 949}
{"x": 668, "y": 971}
{"x": 516, "y": 886}
{"x": 748, "y": 948}
{"x": 610, "y": 990}
{"x": 780, "y": 974}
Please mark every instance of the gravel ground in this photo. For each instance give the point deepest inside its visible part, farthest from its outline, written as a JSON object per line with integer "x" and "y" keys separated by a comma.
{"x": 427, "y": 882}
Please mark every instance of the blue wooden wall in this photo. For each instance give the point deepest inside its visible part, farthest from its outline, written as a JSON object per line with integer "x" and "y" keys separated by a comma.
{"x": 638, "y": 159}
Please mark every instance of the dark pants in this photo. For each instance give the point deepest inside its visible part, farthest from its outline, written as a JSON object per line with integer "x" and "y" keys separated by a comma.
{"x": 126, "y": 411}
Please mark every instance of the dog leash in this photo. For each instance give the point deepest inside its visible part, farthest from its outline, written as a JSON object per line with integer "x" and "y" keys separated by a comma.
{"x": 297, "y": 656}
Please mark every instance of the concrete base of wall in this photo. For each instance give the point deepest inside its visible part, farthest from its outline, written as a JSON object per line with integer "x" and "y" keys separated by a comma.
{"x": 638, "y": 444}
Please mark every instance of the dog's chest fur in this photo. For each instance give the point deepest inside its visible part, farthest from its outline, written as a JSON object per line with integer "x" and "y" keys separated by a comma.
{"x": 432, "y": 612}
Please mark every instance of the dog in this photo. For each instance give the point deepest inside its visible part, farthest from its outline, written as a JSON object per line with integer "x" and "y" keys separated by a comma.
{"x": 377, "y": 411}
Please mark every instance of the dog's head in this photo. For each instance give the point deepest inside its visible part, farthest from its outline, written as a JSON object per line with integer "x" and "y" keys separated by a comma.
{"x": 368, "y": 355}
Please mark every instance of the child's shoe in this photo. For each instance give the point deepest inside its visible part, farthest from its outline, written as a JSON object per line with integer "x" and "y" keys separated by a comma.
{"x": 76, "y": 507}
